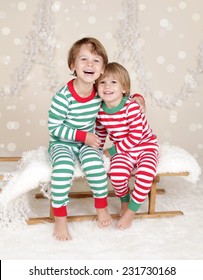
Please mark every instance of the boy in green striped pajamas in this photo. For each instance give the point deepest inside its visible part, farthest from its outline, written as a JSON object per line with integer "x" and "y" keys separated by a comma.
{"x": 71, "y": 124}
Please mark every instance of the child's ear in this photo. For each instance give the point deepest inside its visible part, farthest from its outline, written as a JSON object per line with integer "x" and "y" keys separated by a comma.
{"x": 72, "y": 68}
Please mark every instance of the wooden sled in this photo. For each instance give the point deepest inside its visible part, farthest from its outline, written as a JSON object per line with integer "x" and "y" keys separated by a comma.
{"x": 151, "y": 213}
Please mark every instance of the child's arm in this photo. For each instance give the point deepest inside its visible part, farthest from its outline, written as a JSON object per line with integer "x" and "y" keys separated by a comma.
{"x": 59, "y": 129}
{"x": 101, "y": 132}
{"x": 57, "y": 115}
{"x": 135, "y": 127}
{"x": 140, "y": 100}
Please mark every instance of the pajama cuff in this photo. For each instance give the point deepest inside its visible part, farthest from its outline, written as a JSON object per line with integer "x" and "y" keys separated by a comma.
{"x": 100, "y": 202}
{"x": 125, "y": 198}
{"x": 80, "y": 135}
{"x": 138, "y": 95}
{"x": 134, "y": 206}
{"x": 60, "y": 212}
{"x": 112, "y": 151}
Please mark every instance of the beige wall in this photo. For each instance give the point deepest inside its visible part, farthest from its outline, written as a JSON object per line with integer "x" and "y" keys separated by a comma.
{"x": 170, "y": 34}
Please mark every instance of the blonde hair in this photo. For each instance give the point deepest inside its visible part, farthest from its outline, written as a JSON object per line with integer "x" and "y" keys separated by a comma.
{"x": 120, "y": 73}
{"x": 96, "y": 47}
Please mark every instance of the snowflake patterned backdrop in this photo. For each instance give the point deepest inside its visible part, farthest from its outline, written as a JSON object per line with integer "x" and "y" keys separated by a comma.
{"x": 159, "y": 42}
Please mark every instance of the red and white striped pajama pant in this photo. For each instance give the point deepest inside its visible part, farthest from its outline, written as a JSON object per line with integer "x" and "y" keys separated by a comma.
{"x": 144, "y": 162}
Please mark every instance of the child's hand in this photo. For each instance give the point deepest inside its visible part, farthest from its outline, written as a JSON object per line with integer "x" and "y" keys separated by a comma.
{"x": 141, "y": 102}
{"x": 92, "y": 140}
{"x": 106, "y": 153}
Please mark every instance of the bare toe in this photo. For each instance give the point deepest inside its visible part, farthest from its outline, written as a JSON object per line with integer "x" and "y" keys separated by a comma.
{"x": 104, "y": 218}
{"x": 61, "y": 232}
{"x": 126, "y": 220}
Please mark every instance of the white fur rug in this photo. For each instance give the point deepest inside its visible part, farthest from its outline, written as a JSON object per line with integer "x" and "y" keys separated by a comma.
{"x": 168, "y": 238}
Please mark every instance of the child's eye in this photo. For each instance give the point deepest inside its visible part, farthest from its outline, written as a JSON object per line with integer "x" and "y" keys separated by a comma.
{"x": 101, "y": 82}
{"x": 83, "y": 58}
{"x": 97, "y": 60}
{"x": 114, "y": 82}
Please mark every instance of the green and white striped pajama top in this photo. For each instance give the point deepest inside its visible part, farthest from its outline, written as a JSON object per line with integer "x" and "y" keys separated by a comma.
{"x": 70, "y": 118}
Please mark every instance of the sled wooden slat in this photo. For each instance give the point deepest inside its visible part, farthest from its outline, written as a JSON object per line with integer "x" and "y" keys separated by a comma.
{"x": 80, "y": 218}
{"x": 89, "y": 194}
{"x": 9, "y": 159}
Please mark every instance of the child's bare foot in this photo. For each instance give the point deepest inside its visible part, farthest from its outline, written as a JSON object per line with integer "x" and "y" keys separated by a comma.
{"x": 61, "y": 230}
{"x": 124, "y": 207}
{"x": 126, "y": 220}
{"x": 104, "y": 218}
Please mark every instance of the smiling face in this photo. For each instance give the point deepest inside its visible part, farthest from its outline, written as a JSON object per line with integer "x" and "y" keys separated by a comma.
{"x": 113, "y": 84}
{"x": 111, "y": 91}
{"x": 88, "y": 65}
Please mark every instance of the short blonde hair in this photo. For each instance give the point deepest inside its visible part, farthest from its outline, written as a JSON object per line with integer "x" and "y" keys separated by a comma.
{"x": 120, "y": 73}
{"x": 96, "y": 47}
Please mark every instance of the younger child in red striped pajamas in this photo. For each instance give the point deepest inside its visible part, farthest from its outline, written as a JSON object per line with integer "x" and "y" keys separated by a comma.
{"x": 134, "y": 144}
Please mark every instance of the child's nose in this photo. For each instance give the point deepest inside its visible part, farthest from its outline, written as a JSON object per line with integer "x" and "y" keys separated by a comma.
{"x": 89, "y": 63}
{"x": 107, "y": 85}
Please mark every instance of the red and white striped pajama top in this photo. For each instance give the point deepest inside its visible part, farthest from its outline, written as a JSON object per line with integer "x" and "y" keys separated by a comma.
{"x": 134, "y": 147}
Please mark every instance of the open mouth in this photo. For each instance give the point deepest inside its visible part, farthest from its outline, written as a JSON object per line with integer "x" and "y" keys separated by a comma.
{"x": 89, "y": 72}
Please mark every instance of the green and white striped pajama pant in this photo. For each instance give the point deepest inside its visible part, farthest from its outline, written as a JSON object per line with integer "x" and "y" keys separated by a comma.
{"x": 63, "y": 164}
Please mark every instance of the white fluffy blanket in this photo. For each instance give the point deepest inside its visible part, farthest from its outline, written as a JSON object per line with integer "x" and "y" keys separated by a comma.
{"x": 34, "y": 170}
